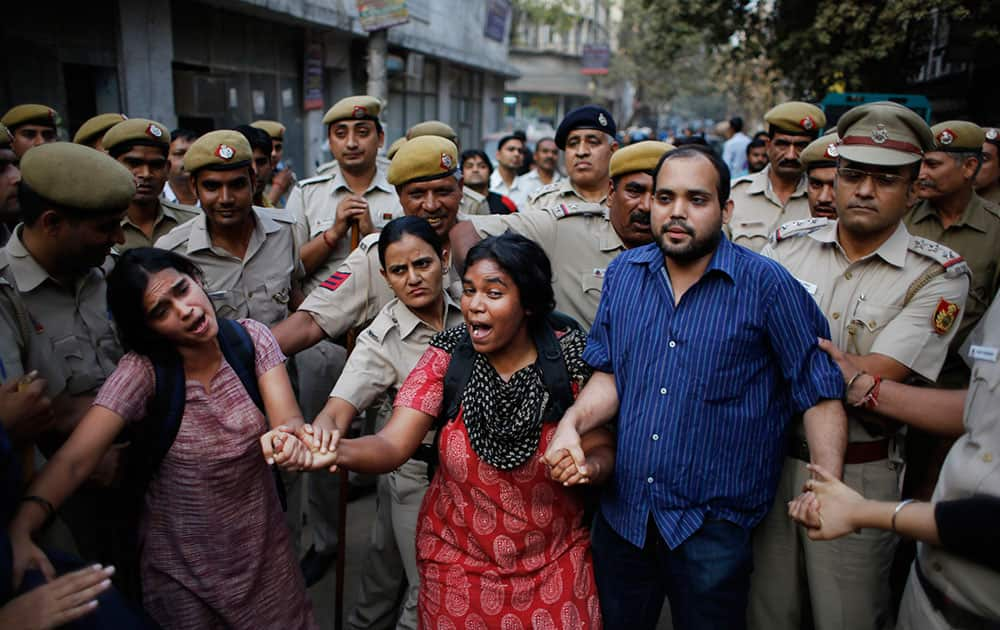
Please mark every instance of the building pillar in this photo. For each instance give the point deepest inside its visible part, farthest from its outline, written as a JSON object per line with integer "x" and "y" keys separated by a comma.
{"x": 378, "y": 47}
{"x": 145, "y": 56}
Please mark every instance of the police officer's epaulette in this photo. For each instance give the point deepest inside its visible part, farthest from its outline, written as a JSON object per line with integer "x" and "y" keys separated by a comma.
{"x": 278, "y": 214}
{"x": 175, "y": 237}
{"x": 544, "y": 190}
{"x": 952, "y": 262}
{"x": 563, "y": 210}
{"x": 315, "y": 179}
{"x": 379, "y": 328}
{"x": 742, "y": 179}
{"x": 798, "y": 228}
{"x": 180, "y": 208}
{"x": 368, "y": 241}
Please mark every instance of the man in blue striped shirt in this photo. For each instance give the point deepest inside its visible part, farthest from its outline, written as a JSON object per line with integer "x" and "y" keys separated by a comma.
{"x": 705, "y": 351}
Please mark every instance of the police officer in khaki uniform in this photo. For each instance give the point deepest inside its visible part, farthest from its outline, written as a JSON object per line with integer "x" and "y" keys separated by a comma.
{"x": 282, "y": 178}
{"x": 587, "y": 138}
{"x": 91, "y": 133}
{"x": 10, "y": 176}
{"x": 384, "y": 355}
{"x": 54, "y": 313}
{"x": 893, "y": 302}
{"x": 819, "y": 160}
{"x": 356, "y": 196}
{"x": 581, "y": 243}
{"x": 776, "y": 195}
{"x": 143, "y": 147}
{"x": 951, "y": 213}
{"x": 353, "y": 295}
{"x": 248, "y": 255}
{"x": 988, "y": 177}
{"x": 472, "y": 202}
{"x": 946, "y": 590}
{"x": 31, "y": 126}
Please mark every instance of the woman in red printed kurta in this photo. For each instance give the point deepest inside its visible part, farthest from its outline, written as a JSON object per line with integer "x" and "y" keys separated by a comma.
{"x": 500, "y": 543}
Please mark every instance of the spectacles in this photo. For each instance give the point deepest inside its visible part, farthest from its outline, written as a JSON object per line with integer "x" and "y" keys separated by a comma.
{"x": 854, "y": 177}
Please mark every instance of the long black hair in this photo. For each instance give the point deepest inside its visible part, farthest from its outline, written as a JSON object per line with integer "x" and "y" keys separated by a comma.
{"x": 526, "y": 264}
{"x": 395, "y": 230}
{"x": 127, "y": 284}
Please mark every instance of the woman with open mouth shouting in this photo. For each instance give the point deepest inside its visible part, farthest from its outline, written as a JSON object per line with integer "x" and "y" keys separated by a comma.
{"x": 195, "y": 394}
{"x": 500, "y": 538}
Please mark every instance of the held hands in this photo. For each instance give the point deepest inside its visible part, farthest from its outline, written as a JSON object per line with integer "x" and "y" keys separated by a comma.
{"x": 282, "y": 447}
{"x": 826, "y": 506}
{"x": 564, "y": 457}
{"x": 322, "y": 441}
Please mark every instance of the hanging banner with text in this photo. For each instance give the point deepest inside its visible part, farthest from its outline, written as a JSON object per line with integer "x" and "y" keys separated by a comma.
{"x": 312, "y": 76}
{"x": 376, "y": 15}
{"x": 497, "y": 14}
{"x": 596, "y": 59}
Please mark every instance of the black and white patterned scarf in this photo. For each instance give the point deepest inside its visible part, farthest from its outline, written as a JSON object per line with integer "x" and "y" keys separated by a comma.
{"x": 504, "y": 418}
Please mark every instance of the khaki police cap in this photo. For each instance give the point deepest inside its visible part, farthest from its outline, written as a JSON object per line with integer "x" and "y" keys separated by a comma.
{"x": 273, "y": 128}
{"x": 354, "y": 107}
{"x": 796, "y": 118}
{"x": 218, "y": 151}
{"x": 432, "y": 128}
{"x": 96, "y": 127}
{"x": 6, "y": 137}
{"x": 992, "y": 135}
{"x": 883, "y": 134}
{"x": 31, "y": 114}
{"x": 641, "y": 156}
{"x": 135, "y": 131}
{"x": 821, "y": 152}
{"x": 958, "y": 136}
{"x": 78, "y": 177}
{"x": 422, "y": 159}
{"x": 394, "y": 147}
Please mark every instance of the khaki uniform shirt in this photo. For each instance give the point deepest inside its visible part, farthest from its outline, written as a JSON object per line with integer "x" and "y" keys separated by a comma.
{"x": 313, "y": 205}
{"x": 865, "y": 302}
{"x": 171, "y": 215}
{"x": 972, "y": 467}
{"x": 473, "y": 203}
{"x": 66, "y": 332}
{"x": 992, "y": 196}
{"x": 354, "y": 294}
{"x": 560, "y": 198}
{"x": 580, "y": 247}
{"x": 386, "y": 352}
{"x": 976, "y": 237}
{"x": 532, "y": 182}
{"x": 757, "y": 210}
{"x": 258, "y": 286}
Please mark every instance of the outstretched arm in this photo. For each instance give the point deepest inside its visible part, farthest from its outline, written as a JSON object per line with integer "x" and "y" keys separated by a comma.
{"x": 596, "y": 405}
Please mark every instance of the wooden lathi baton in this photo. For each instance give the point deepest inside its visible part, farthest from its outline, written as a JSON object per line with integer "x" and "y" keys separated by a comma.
{"x": 344, "y": 488}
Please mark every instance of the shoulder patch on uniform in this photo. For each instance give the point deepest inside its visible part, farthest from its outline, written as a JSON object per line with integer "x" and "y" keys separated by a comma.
{"x": 798, "y": 228}
{"x": 367, "y": 242}
{"x": 742, "y": 179}
{"x": 953, "y": 263}
{"x": 174, "y": 238}
{"x": 380, "y": 327}
{"x": 544, "y": 190}
{"x": 337, "y": 278}
{"x": 278, "y": 214}
{"x": 315, "y": 179}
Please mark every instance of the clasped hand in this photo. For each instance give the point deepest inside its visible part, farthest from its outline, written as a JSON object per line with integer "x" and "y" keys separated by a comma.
{"x": 826, "y": 506}
{"x": 306, "y": 447}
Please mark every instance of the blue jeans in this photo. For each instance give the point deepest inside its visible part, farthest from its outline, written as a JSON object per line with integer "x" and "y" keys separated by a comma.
{"x": 706, "y": 579}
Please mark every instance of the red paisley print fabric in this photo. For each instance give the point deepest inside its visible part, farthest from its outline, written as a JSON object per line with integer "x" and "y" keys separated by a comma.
{"x": 496, "y": 549}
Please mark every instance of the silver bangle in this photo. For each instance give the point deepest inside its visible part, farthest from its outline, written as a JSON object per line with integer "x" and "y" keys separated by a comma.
{"x": 902, "y": 504}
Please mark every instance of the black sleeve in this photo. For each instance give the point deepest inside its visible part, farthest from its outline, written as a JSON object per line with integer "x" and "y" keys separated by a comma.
{"x": 968, "y": 528}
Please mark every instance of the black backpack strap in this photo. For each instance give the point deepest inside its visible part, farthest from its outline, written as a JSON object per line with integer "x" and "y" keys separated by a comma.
{"x": 238, "y": 350}
{"x": 555, "y": 376}
{"x": 455, "y": 379}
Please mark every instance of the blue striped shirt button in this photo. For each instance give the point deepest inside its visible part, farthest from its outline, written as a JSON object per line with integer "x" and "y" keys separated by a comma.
{"x": 663, "y": 390}
{"x": 672, "y": 344}
{"x": 649, "y": 480}
{"x": 656, "y": 436}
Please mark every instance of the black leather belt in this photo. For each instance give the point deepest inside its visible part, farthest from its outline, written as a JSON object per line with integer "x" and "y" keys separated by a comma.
{"x": 956, "y": 616}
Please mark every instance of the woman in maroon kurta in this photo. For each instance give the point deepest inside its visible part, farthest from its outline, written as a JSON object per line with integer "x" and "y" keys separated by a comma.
{"x": 500, "y": 543}
{"x": 215, "y": 549}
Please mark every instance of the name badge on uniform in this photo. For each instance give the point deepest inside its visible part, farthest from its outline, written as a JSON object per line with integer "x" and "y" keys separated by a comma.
{"x": 983, "y": 353}
{"x": 750, "y": 223}
{"x": 808, "y": 286}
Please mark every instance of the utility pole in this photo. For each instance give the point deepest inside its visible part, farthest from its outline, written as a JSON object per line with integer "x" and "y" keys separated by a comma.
{"x": 378, "y": 45}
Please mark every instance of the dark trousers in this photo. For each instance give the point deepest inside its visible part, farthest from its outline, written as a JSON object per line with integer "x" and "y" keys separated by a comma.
{"x": 706, "y": 579}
